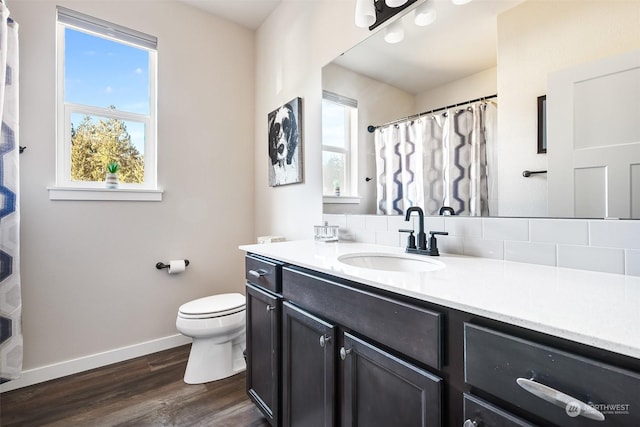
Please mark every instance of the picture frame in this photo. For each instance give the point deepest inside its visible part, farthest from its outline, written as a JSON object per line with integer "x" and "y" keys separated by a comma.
{"x": 542, "y": 124}
{"x": 285, "y": 144}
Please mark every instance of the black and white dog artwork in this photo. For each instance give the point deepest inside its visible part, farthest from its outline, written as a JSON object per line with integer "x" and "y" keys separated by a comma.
{"x": 285, "y": 144}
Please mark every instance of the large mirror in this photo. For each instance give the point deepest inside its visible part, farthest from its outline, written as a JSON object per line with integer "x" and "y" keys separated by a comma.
{"x": 518, "y": 50}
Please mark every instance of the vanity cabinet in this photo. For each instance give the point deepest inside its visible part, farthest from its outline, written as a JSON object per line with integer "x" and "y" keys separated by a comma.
{"x": 563, "y": 388}
{"x": 309, "y": 360}
{"x": 480, "y": 413}
{"x": 338, "y": 344}
{"x": 263, "y": 336}
{"x": 380, "y": 389}
{"x": 326, "y": 351}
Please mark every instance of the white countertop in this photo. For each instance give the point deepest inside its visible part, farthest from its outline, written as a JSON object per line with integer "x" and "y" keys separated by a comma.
{"x": 597, "y": 309}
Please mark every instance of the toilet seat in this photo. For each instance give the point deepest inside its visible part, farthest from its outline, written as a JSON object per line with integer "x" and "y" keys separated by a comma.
{"x": 213, "y": 306}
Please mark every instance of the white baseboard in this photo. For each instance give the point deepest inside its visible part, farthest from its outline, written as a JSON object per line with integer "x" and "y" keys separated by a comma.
{"x": 74, "y": 366}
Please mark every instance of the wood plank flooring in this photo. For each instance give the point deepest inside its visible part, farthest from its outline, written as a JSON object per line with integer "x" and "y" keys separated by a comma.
{"x": 146, "y": 391}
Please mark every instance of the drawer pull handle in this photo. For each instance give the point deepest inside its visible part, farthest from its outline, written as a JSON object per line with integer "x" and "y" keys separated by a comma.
{"x": 258, "y": 273}
{"x": 470, "y": 423}
{"x": 270, "y": 308}
{"x": 344, "y": 352}
{"x": 324, "y": 339}
{"x": 560, "y": 399}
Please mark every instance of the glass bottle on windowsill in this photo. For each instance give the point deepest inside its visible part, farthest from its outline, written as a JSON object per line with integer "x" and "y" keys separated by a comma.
{"x": 336, "y": 189}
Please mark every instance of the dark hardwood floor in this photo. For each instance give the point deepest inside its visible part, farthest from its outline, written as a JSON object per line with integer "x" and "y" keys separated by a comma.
{"x": 146, "y": 391}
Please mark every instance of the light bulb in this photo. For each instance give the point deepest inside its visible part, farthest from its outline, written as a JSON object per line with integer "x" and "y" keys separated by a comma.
{"x": 395, "y": 3}
{"x": 394, "y": 33}
{"x": 425, "y": 14}
{"x": 365, "y": 13}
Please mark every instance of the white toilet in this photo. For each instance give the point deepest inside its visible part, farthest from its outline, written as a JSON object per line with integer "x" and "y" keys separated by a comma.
{"x": 217, "y": 325}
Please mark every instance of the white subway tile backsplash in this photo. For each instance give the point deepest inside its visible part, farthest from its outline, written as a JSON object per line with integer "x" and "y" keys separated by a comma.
{"x": 463, "y": 226}
{"x": 388, "y": 238}
{"x": 560, "y": 231}
{"x": 632, "y": 262}
{"x": 362, "y": 236}
{"x": 484, "y": 248}
{"x": 434, "y": 223}
{"x": 375, "y": 222}
{"x": 335, "y": 219}
{"x": 591, "y": 258}
{"x": 451, "y": 245}
{"x": 533, "y": 253}
{"x": 395, "y": 223}
{"x": 505, "y": 229}
{"x": 597, "y": 245}
{"x": 355, "y": 222}
{"x": 615, "y": 234}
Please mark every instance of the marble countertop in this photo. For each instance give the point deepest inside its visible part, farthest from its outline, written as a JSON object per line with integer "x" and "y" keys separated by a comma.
{"x": 597, "y": 309}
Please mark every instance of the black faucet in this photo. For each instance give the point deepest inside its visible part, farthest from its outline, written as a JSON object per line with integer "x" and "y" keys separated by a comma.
{"x": 422, "y": 248}
{"x": 422, "y": 238}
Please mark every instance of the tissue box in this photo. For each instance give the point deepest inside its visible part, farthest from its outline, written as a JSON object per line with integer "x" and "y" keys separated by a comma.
{"x": 271, "y": 239}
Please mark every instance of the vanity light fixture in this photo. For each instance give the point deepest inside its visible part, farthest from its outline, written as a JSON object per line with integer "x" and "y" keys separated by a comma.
{"x": 395, "y": 3}
{"x": 365, "y": 13}
{"x": 394, "y": 33}
{"x": 425, "y": 14}
{"x": 460, "y": 2}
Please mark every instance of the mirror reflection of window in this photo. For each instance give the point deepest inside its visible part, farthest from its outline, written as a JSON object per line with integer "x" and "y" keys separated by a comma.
{"x": 339, "y": 145}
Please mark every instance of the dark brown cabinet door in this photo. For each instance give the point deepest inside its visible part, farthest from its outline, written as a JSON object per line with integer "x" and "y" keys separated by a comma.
{"x": 382, "y": 390}
{"x": 308, "y": 351}
{"x": 263, "y": 351}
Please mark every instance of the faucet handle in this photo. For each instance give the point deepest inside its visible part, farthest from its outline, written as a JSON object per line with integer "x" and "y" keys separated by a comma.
{"x": 411, "y": 240}
{"x": 433, "y": 242}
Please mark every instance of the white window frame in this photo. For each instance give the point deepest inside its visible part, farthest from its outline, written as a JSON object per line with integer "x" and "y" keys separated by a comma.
{"x": 350, "y": 152}
{"x": 67, "y": 189}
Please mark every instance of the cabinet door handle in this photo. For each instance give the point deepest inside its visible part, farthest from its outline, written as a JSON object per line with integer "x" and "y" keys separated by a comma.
{"x": 573, "y": 406}
{"x": 258, "y": 273}
{"x": 270, "y": 308}
{"x": 470, "y": 423}
{"x": 344, "y": 352}
{"x": 324, "y": 339}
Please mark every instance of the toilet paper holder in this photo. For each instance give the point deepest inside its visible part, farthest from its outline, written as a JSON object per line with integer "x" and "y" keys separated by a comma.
{"x": 162, "y": 265}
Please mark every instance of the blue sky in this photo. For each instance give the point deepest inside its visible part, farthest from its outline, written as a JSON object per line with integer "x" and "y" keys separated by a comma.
{"x": 100, "y": 72}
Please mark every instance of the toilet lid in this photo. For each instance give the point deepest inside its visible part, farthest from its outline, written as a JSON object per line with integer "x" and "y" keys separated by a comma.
{"x": 213, "y": 306}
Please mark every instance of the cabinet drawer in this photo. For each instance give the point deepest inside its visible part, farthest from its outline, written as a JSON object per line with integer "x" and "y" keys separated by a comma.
{"x": 409, "y": 329}
{"x": 483, "y": 414}
{"x": 550, "y": 383}
{"x": 264, "y": 273}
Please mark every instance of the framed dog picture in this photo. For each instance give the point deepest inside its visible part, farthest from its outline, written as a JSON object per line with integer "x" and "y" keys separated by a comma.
{"x": 285, "y": 144}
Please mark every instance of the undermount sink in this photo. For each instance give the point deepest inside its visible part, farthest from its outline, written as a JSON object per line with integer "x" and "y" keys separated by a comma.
{"x": 392, "y": 262}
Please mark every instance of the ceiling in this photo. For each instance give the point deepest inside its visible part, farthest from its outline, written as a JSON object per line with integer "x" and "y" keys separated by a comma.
{"x": 461, "y": 42}
{"x": 248, "y": 13}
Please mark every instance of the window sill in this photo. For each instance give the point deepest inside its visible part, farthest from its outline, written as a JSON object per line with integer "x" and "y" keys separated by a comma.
{"x": 353, "y": 200}
{"x": 117, "y": 194}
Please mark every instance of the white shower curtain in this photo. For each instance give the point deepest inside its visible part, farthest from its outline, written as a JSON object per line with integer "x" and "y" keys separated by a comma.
{"x": 438, "y": 160}
{"x": 10, "y": 298}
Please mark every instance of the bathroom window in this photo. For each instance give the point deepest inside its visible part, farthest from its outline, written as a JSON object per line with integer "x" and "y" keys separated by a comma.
{"x": 106, "y": 113}
{"x": 339, "y": 145}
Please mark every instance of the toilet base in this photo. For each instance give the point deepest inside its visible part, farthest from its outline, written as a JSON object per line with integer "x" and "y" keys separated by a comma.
{"x": 211, "y": 361}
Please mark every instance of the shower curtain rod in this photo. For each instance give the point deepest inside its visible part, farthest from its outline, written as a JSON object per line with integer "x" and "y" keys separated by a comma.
{"x": 372, "y": 128}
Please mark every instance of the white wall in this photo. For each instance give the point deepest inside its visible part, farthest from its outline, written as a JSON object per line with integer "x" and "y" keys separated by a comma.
{"x": 292, "y": 46}
{"x": 88, "y": 268}
{"x": 478, "y": 85}
{"x": 530, "y": 46}
{"x": 378, "y": 103}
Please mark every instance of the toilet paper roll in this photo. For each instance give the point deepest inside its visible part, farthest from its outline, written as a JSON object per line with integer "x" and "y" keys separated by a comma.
{"x": 176, "y": 266}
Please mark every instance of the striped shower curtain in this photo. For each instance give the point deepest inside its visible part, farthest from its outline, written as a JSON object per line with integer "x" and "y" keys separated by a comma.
{"x": 438, "y": 160}
{"x": 10, "y": 298}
